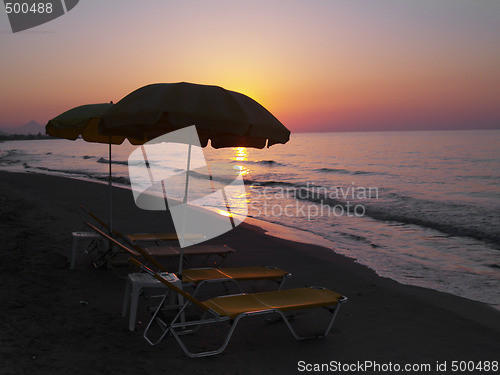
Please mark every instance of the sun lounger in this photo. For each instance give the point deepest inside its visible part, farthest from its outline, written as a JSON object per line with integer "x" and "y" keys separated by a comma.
{"x": 135, "y": 237}
{"x": 195, "y": 277}
{"x": 235, "y": 307}
{"x": 204, "y": 250}
{"x": 139, "y": 237}
{"x": 158, "y": 251}
{"x": 199, "y": 276}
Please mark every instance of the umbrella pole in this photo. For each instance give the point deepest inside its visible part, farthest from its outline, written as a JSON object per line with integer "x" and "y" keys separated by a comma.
{"x": 187, "y": 175}
{"x": 224, "y": 195}
{"x": 184, "y": 201}
{"x": 110, "y": 193}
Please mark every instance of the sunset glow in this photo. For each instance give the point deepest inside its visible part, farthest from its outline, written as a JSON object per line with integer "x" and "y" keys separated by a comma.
{"x": 317, "y": 66}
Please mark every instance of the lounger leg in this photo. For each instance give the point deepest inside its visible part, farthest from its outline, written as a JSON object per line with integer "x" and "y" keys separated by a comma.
{"x": 183, "y": 325}
{"x": 176, "y": 335}
{"x": 327, "y": 330}
{"x": 210, "y": 352}
{"x": 222, "y": 260}
{"x": 334, "y": 315}
{"x": 153, "y": 318}
{"x": 169, "y": 327}
{"x": 282, "y": 282}
{"x": 197, "y": 324}
{"x": 236, "y": 283}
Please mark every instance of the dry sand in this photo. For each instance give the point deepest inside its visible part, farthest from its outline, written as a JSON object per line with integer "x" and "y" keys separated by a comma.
{"x": 60, "y": 321}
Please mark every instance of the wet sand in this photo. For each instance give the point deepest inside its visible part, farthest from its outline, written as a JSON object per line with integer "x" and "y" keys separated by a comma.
{"x": 61, "y": 321}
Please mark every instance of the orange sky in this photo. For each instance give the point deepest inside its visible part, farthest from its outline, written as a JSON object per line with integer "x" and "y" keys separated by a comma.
{"x": 320, "y": 65}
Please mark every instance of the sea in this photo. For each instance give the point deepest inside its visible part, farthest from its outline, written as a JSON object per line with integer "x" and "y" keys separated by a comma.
{"x": 419, "y": 207}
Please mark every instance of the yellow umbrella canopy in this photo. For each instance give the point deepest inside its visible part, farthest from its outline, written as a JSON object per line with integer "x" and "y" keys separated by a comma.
{"x": 83, "y": 121}
{"x": 227, "y": 118}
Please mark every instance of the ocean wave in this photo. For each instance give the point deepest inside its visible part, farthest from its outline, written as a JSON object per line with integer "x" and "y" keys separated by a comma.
{"x": 452, "y": 219}
{"x": 260, "y": 162}
{"x": 64, "y": 171}
{"x": 117, "y": 180}
{"x": 272, "y": 183}
{"x": 343, "y": 171}
{"x": 356, "y": 237}
{"x": 106, "y": 161}
{"x": 9, "y": 153}
{"x": 80, "y": 173}
{"x": 10, "y": 157}
{"x": 332, "y": 170}
{"x": 433, "y": 220}
{"x": 479, "y": 177}
{"x": 304, "y": 194}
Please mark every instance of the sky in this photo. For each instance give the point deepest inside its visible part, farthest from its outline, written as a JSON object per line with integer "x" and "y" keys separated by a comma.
{"x": 317, "y": 65}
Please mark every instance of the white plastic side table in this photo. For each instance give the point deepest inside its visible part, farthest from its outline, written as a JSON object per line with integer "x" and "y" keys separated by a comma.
{"x": 138, "y": 281}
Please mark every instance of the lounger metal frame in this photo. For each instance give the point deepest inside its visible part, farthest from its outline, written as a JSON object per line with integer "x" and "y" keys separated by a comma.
{"x": 196, "y": 285}
{"x": 148, "y": 253}
{"x": 235, "y": 281}
{"x": 108, "y": 255}
{"x": 177, "y": 328}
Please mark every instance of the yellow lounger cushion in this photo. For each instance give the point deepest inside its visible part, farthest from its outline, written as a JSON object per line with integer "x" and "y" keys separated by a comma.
{"x": 284, "y": 300}
{"x": 158, "y": 237}
{"x": 191, "y": 250}
{"x": 238, "y": 273}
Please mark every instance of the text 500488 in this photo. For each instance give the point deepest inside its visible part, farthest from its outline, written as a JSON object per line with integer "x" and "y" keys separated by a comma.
{"x": 25, "y": 8}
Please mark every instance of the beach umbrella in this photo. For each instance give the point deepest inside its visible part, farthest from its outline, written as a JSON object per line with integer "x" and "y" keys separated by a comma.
{"x": 83, "y": 121}
{"x": 226, "y": 118}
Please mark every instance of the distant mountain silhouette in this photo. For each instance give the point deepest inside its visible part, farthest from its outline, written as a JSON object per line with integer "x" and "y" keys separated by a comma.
{"x": 31, "y": 127}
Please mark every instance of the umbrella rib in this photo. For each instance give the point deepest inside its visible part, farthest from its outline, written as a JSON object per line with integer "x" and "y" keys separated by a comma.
{"x": 148, "y": 167}
{"x": 188, "y": 167}
{"x": 228, "y": 208}
{"x": 110, "y": 182}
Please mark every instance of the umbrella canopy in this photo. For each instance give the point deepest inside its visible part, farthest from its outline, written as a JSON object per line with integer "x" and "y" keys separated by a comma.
{"x": 83, "y": 121}
{"x": 227, "y": 118}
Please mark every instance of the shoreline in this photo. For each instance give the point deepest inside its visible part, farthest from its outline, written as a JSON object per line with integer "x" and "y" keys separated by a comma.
{"x": 272, "y": 229}
{"x": 448, "y": 301}
{"x": 58, "y": 320}
{"x": 279, "y": 231}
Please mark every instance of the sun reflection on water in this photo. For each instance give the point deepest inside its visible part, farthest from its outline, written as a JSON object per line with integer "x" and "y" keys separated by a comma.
{"x": 241, "y": 154}
{"x": 224, "y": 213}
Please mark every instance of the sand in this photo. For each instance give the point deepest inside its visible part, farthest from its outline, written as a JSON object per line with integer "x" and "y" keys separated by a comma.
{"x": 60, "y": 321}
